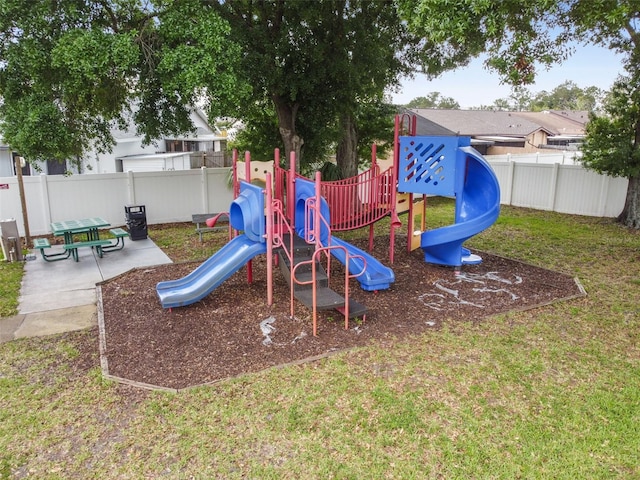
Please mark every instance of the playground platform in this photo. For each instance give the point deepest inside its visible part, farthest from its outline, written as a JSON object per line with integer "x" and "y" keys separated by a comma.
{"x": 58, "y": 297}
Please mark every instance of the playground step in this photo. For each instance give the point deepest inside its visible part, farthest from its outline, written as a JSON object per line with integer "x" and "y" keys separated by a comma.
{"x": 303, "y": 272}
{"x": 325, "y": 297}
{"x": 299, "y": 245}
{"x": 328, "y": 299}
{"x": 355, "y": 309}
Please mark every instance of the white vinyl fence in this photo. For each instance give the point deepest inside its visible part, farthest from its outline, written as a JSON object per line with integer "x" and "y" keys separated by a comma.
{"x": 560, "y": 188}
{"x": 563, "y": 157}
{"x": 175, "y": 195}
{"x": 167, "y": 196}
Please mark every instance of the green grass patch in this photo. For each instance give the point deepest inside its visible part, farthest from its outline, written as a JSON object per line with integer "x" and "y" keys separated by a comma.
{"x": 546, "y": 393}
{"x": 10, "y": 278}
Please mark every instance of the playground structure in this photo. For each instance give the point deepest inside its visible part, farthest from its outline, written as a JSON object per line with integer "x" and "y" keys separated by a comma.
{"x": 295, "y": 218}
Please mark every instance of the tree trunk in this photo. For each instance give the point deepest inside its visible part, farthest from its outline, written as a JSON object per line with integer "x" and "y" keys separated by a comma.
{"x": 347, "y": 152}
{"x": 630, "y": 215}
{"x": 287, "y": 126}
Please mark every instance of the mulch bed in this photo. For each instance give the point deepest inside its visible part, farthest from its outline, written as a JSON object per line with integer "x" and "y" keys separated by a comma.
{"x": 233, "y": 330}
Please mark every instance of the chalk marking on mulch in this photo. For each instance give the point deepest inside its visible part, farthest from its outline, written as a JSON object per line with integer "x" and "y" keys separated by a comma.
{"x": 444, "y": 285}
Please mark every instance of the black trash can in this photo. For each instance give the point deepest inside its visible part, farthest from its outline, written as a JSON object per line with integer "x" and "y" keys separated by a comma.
{"x": 136, "y": 218}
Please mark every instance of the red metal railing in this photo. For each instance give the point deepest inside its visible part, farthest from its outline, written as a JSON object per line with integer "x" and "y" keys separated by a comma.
{"x": 359, "y": 201}
{"x": 354, "y": 202}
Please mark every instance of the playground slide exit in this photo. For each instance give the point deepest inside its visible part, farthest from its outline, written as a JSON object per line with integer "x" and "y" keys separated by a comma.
{"x": 246, "y": 213}
{"x": 209, "y": 275}
{"x": 477, "y": 208}
{"x": 375, "y": 277}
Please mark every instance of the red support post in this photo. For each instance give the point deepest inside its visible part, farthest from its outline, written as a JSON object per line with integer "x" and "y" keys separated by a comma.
{"x": 269, "y": 238}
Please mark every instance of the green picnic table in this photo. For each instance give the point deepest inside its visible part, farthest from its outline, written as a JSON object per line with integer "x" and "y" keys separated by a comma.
{"x": 90, "y": 227}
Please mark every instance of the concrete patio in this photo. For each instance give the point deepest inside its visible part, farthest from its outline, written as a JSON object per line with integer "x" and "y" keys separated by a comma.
{"x": 57, "y": 297}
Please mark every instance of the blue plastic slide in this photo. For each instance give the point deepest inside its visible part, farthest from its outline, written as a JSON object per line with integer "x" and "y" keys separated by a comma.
{"x": 209, "y": 275}
{"x": 477, "y": 208}
{"x": 375, "y": 276}
{"x": 246, "y": 213}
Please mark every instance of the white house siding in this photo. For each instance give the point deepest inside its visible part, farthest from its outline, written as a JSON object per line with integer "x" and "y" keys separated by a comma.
{"x": 6, "y": 159}
{"x": 106, "y": 162}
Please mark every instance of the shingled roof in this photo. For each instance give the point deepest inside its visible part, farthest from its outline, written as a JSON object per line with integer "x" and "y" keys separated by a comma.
{"x": 559, "y": 122}
{"x": 488, "y": 123}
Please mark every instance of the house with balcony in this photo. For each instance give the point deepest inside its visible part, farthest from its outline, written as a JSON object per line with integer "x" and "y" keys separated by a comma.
{"x": 205, "y": 147}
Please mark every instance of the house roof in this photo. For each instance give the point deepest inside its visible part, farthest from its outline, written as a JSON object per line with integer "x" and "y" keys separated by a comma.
{"x": 425, "y": 127}
{"x": 203, "y": 130}
{"x": 560, "y": 122}
{"x": 481, "y": 122}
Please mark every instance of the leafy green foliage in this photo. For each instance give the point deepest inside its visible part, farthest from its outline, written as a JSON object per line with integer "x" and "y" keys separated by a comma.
{"x": 72, "y": 71}
{"x": 512, "y": 32}
{"x": 610, "y": 147}
{"x": 433, "y": 100}
{"x": 567, "y": 96}
{"x": 316, "y": 63}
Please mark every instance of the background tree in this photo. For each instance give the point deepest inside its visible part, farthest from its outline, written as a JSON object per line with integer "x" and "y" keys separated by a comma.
{"x": 567, "y": 96}
{"x": 519, "y": 37}
{"x": 612, "y": 145}
{"x": 71, "y": 70}
{"x": 434, "y": 100}
{"x": 520, "y": 98}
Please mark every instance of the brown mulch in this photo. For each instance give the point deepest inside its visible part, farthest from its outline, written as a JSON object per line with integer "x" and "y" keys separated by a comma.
{"x": 233, "y": 330}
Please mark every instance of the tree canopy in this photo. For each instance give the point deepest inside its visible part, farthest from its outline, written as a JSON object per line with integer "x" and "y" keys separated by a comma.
{"x": 433, "y": 100}
{"x": 72, "y": 70}
{"x": 612, "y": 144}
{"x": 567, "y": 96}
{"x": 318, "y": 63}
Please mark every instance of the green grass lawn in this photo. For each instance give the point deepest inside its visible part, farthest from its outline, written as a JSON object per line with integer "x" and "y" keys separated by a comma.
{"x": 10, "y": 277}
{"x": 552, "y": 392}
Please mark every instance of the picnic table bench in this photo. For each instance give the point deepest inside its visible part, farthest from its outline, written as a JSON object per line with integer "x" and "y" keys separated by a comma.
{"x": 98, "y": 244}
{"x": 101, "y": 246}
{"x": 42, "y": 244}
{"x": 199, "y": 218}
{"x": 119, "y": 234}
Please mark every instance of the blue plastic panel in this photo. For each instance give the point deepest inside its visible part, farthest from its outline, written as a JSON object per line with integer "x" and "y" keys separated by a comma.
{"x": 427, "y": 165}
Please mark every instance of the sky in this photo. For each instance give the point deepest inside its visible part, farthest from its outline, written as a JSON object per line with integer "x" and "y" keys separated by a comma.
{"x": 473, "y": 85}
